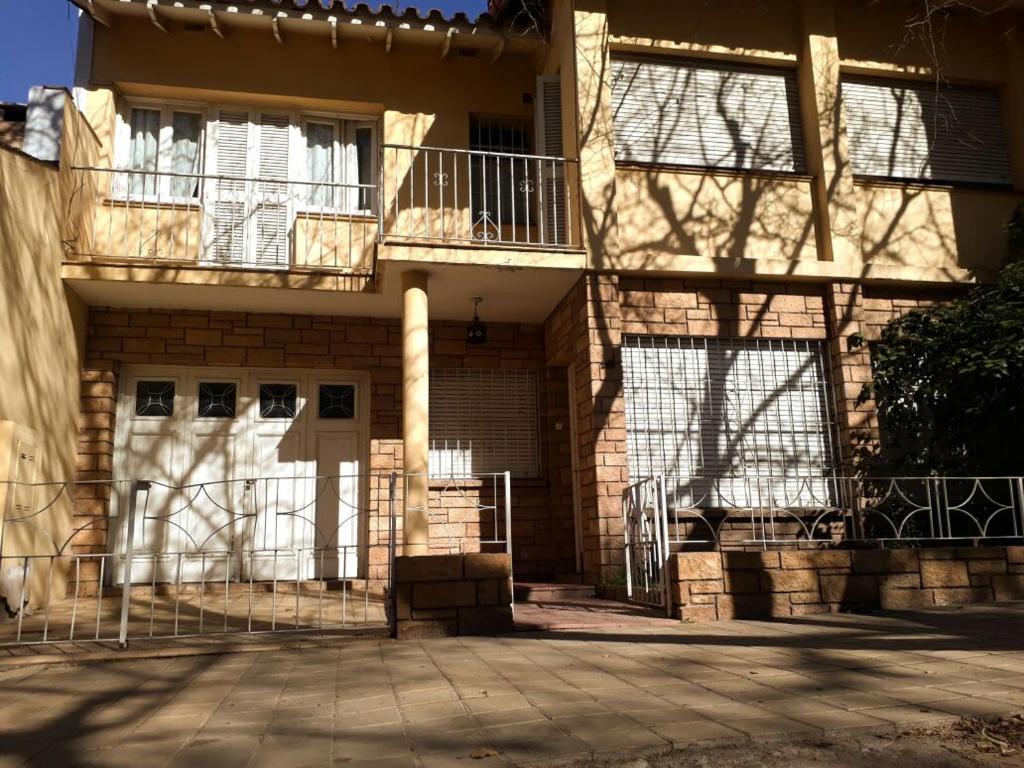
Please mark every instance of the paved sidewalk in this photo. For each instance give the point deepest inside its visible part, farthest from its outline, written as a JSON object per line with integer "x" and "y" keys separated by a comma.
{"x": 521, "y": 698}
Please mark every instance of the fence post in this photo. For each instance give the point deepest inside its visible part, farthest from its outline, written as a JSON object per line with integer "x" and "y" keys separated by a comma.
{"x": 508, "y": 538}
{"x": 129, "y": 551}
{"x": 627, "y": 519}
{"x": 662, "y": 501}
{"x": 392, "y": 606}
{"x": 1020, "y": 503}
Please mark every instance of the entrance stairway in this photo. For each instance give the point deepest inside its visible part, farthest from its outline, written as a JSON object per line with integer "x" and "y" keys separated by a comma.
{"x": 564, "y": 605}
{"x": 551, "y": 592}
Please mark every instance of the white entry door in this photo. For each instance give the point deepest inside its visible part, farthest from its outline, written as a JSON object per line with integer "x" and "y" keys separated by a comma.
{"x": 256, "y": 474}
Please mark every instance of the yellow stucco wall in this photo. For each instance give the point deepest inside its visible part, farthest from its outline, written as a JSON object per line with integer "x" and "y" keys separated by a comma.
{"x": 834, "y": 225}
{"x": 40, "y": 323}
{"x": 629, "y": 218}
{"x": 42, "y": 326}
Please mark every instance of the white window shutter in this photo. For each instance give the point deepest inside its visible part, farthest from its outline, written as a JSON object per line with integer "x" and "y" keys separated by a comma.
{"x": 920, "y": 131}
{"x": 550, "y": 143}
{"x": 717, "y": 415}
{"x": 706, "y": 114}
{"x": 272, "y": 210}
{"x": 227, "y": 243}
{"x": 483, "y": 421}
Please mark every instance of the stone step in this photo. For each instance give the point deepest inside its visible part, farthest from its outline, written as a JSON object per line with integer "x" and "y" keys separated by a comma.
{"x": 540, "y": 592}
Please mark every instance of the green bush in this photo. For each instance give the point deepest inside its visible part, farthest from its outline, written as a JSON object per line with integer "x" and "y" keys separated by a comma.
{"x": 949, "y": 382}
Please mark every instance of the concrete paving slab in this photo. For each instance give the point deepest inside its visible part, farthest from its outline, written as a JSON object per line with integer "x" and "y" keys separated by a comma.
{"x": 521, "y": 698}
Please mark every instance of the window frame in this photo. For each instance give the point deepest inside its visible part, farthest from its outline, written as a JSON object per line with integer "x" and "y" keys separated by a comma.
{"x": 915, "y": 85}
{"x": 500, "y": 448}
{"x": 345, "y": 161}
{"x": 797, "y": 130}
{"x": 526, "y": 206}
{"x": 164, "y": 152}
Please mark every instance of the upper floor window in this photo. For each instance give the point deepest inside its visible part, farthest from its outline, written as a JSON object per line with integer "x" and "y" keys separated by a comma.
{"x": 502, "y": 183}
{"x": 329, "y": 162}
{"x": 164, "y": 151}
{"x": 706, "y": 114}
{"x": 919, "y": 131}
{"x": 339, "y": 163}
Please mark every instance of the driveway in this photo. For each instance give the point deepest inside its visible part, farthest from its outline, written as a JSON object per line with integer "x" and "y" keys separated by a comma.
{"x": 550, "y": 696}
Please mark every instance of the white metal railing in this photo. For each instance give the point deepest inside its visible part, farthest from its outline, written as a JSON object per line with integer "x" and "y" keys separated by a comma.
{"x": 215, "y": 220}
{"x": 668, "y": 512}
{"x": 646, "y": 542}
{"x": 779, "y": 510}
{"x": 433, "y": 194}
{"x": 113, "y": 561}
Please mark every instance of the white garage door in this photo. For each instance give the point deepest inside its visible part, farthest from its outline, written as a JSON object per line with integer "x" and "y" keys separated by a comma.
{"x": 721, "y": 417}
{"x": 256, "y": 474}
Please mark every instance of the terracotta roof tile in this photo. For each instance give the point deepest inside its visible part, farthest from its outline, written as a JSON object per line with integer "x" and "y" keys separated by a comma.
{"x": 384, "y": 10}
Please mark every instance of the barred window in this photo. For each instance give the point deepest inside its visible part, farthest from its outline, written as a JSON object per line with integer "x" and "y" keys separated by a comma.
{"x": 717, "y": 415}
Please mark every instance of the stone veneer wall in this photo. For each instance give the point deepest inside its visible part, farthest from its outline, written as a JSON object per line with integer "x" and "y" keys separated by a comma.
{"x": 542, "y": 534}
{"x": 449, "y": 595}
{"x": 711, "y": 586}
{"x": 585, "y": 334}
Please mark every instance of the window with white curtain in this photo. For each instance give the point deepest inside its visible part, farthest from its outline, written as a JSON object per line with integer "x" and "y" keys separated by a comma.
{"x": 720, "y": 417}
{"x": 706, "y": 114}
{"x": 339, "y": 164}
{"x": 483, "y": 420}
{"x": 900, "y": 129}
{"x": 164, "y": 152}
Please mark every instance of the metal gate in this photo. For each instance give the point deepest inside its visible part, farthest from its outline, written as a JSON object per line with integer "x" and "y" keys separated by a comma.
{"x": 646, "y": 537}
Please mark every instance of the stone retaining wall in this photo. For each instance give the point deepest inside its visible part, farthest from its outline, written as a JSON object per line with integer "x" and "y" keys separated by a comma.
{"x": 711, "y": 586}
{"x": 449, "y": 595}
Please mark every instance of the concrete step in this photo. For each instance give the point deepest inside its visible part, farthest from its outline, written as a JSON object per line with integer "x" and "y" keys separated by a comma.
{"x": 541, "y": 592}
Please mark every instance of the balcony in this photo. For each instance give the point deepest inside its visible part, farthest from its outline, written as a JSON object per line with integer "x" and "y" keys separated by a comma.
{"x": 491, "y": 199}
{"x": 424, "y": 196}
{"x": 183, "y": 220}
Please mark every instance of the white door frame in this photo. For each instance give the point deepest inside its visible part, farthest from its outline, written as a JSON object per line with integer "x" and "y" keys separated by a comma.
{"x": 245, "y": 424}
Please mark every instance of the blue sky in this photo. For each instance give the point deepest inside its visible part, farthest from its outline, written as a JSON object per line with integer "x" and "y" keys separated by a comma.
{"x": 37, "y": 41}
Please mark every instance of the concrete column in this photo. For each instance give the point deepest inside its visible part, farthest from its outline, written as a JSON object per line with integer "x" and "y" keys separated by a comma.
{"x": 415, "y": 410}
{"x": 828, "y": 155}
{"x": 596, "y": 133}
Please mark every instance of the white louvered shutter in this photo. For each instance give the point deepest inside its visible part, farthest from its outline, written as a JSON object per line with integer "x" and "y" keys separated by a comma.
{"x": 550, "y": 143}
{"x": 719, "y": 415}
{"x": 920, "y": 131}
{"x": 706, "y": 114}
{"x": 228, "y": 243}
{"x": 482, "y": 421}
{"x": 272, "y": 209}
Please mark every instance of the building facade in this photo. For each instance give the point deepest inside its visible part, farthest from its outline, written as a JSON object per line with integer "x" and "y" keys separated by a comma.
{"x": 581, "y": 243}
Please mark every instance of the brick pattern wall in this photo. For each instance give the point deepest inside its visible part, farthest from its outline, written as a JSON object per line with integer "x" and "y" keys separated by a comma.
{"x": 711, "y": 586}
{"x": 584, "y": 333}
{"x": 722, "y": 308}
{"x": 449, "y": 595}
{"x": 95, "y": 469}
{"x": 542, "y": 509}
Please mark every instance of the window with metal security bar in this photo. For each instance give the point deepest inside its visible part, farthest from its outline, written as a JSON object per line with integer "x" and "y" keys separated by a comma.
{"x": 706, "y": 114}
{"x": 502, "y": 186}
{"x": 720, "y": 416}
{"x": 924, "y": 132}
{"x": 482, "y": 421}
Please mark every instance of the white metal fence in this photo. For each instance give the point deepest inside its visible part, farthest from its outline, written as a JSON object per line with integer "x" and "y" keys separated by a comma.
{"x": 669, "y": 513}
{"x": 124, "y": 560}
